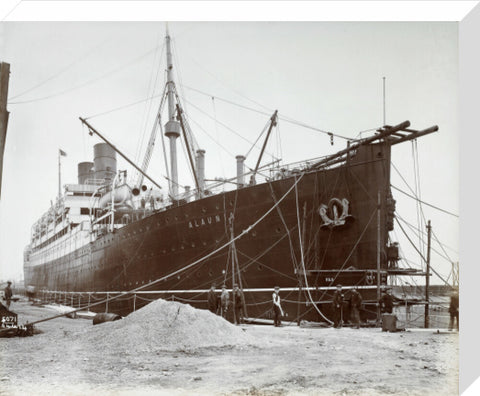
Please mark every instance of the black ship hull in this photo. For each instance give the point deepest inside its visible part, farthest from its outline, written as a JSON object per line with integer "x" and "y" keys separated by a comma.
{"x": 308, "y": 231}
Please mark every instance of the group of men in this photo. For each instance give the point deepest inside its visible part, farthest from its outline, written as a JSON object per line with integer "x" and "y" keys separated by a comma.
{"x": 221, "y": 305}
{"x": 338, "y": 302}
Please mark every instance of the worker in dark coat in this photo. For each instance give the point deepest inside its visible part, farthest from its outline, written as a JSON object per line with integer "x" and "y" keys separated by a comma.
{"x": 454, "y": 310}
{"x": 277, "y": 308}
{"x": 386, "y": 302}
{"x": 212, "y": 299}
{"x": 337, "y": 305}
{"x": 238, "y": 302}
{"x": 356, "y": 304}
{"x": 8, "y": 294}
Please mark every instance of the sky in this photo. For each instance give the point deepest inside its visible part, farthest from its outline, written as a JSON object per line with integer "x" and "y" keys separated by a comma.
{"x": 327, "y": 75}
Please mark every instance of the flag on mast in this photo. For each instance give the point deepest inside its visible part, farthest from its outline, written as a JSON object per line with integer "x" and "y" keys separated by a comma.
{"x": 62, "y": 153}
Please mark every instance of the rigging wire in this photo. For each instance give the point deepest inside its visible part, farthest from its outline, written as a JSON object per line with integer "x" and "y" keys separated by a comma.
{"x": 123, "y": 107}
{"x": 283, "y": 118}
{"x": 221, "y": 123}
{"x": 88, "y": 82}
{"x": 213, "y": 139}
{"x": 421, "y": 241}
{"x": 420, "y": 253}
{"x": 421, "y": 209}
{"x": 258, "y": 138}
{"x": 162, "y": 138}
{"x": 58, "y": 73}
{"x": 416, "y": 231}
{"x": 178, "y": 71}
{"x": 423, "y": 202}
{"x": 442, "y": 245}
{"x": 220, "y": 159}
{"x": 230, "y": 87}
{"x": 152, "y": 84}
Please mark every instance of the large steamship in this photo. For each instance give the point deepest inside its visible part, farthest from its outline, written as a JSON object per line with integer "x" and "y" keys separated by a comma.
{"x": 305, "y": 228}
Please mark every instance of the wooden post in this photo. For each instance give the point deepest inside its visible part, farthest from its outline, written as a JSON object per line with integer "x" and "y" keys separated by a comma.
{"x": 106, "y": 305}
{"x": 378, "y": 259}
{"x": 134, "y": 300}
{"x": 88, "y": 302}
{"x": 4, "y": 78}
{"x": 407, "y": 314}
{"x": 427, "y": 276}
{"x": 298, "y": 302}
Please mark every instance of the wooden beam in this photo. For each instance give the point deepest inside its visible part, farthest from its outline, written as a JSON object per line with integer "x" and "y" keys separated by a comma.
{"x": 4, "y": 78}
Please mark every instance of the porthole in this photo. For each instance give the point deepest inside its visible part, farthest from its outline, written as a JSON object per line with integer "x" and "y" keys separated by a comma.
{"x": 210, "y": 273}
{"x": 277, "y": 230}
{"x": 217, "y": 206}
{"x": 176, "y": 218}
{"x": 259, "y": 267}
{"x": 193, "y": 245}
{"x": 204, "y": 243}
{"x": 182, "y": 247}
{"x": 204, "y": 209}
{"x": 254, "y": 233}
{"x": 167, "y": 220}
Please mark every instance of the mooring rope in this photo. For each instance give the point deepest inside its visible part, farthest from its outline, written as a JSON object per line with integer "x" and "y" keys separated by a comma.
{"x": 303, "y": 262}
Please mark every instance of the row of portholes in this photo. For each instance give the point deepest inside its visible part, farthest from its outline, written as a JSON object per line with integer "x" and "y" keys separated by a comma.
{"x": 173, "y": 249}
{"x": 167, "y": 219}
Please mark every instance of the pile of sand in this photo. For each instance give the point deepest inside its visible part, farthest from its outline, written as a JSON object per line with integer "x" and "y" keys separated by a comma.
{"x": 170, "y": 326}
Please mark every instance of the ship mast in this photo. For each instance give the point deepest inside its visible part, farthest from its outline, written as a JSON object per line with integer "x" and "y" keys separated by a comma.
{"x": 172, "y": 127}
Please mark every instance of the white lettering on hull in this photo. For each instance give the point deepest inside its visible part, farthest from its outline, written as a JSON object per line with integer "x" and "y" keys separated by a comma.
{"x": 209, "y": 220}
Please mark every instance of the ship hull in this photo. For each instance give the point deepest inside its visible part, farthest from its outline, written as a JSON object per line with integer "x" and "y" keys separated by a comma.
{"x": 304, "y": 233}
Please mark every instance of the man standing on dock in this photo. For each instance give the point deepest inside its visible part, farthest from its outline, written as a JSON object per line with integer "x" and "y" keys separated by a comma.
{"x": 238, "y": 301}
{"x": 277, "y": 308}
{"x": 386, "y": 302}
{"x": 212, "y": 299}
{"x": 337, "y": 304}
{"x": 453, "y": 309}
{"x": 356, "y": 301}
{"x": 8, "y": 295}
